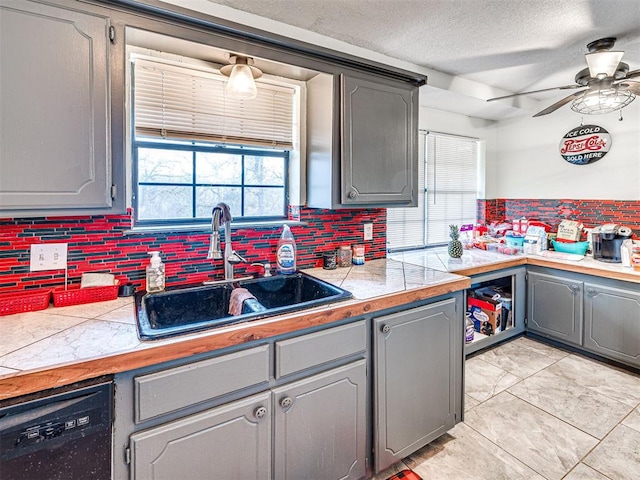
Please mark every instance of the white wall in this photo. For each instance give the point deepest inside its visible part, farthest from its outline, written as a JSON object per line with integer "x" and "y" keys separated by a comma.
{"x": 528, "y": 164}
{"x": 457, "y": 124}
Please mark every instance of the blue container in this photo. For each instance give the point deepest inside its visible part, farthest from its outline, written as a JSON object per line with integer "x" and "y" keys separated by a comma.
{"x": 579, "y": 248}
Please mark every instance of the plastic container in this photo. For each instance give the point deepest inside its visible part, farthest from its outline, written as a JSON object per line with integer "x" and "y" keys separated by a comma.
{"x": 514, "y": 240}
{"x": 74, "y": 295}
{"x": 155, "y": 274}
{"x": 469, "y": 330}
{"x": 19, "y": 302}
{"x": 579, "y": 248}
{"x": 286, "y": 252}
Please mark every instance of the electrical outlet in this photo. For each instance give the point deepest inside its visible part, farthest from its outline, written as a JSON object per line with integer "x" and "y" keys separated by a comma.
{"x": 48, "y": 256}
{"x": 368, "y": 231}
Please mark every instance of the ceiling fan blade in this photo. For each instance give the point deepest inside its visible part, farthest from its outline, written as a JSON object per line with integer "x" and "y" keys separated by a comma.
{"x": 559, "y": 104}
{"x": 564, "y": 87}
{"x": 634, "y": 73}
{"x": 633, "y": 87}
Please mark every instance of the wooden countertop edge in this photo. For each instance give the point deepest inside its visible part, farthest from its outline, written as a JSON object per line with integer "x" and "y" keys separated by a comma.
{"x": 20, "y": 383}
{"x": 578, "y": 268}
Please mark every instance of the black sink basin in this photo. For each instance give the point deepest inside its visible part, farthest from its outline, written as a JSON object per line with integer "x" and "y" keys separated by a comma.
{"x": 190, "y": 309}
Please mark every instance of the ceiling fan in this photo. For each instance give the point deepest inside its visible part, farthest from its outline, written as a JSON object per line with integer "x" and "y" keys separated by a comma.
{"x": 605, "y": 85}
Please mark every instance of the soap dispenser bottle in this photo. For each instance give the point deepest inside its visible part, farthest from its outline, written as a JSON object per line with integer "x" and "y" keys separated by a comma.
{"x": 286, "y": 252}
{"x": 155, "y": 273}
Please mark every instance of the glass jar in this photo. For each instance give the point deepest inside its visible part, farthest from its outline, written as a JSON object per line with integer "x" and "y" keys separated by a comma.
{"x": 358, "y": 255}
{"x": 344, "y": 256}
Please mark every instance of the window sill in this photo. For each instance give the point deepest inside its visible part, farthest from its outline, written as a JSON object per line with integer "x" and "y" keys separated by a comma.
{"x": 206, "y": 228}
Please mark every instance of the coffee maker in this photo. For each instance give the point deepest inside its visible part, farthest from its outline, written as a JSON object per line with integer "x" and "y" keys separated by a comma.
{"x": 607, "y": 241}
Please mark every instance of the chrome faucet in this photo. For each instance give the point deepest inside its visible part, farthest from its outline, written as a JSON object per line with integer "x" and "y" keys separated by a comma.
{"x": 222, "y": 214}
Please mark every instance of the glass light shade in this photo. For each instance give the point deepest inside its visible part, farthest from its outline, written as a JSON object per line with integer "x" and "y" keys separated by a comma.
{"x": 241, "y": 83}
{"x": 602, "y": 101}
{"x": 603, "y": 63}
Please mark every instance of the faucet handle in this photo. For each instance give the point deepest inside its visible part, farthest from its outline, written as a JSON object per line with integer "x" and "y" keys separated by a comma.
{"x": 235, "y": 258}
{"x": 266, "y": 266}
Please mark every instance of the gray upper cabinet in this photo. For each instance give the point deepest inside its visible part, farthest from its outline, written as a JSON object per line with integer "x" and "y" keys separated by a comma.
{"x": 379, "y": 142}
{"x": 362, "y": 142}
{"x": 415, "y": 364}
{"x": 612, "y": 322}
{"x": 320, "y": 426}
{"x": 554, "y": 307}
{"x": 54, "y": 120}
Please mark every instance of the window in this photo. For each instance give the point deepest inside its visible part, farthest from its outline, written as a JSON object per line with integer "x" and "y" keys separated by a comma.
{"x": 194, "y": 147}
{"x": 448, "y": 187}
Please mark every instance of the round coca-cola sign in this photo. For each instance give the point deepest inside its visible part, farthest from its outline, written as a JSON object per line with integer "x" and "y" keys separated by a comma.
{"x": 585, "y": 144}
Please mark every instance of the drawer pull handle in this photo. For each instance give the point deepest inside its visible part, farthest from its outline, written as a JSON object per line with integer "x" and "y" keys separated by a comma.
{"x": 286, "y": 402}
{"x": 260, "y": 412}
{"x": 385, "y": 329}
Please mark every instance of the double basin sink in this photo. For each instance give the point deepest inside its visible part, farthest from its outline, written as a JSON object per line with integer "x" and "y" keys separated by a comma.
{"x": 191, "y": 309}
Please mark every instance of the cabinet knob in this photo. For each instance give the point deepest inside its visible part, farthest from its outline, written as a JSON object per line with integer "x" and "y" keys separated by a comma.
{"x": 352, "y": 194}
{"x": 385, "y": 329}
{"x": 260, "y": 412}
{"x": 591, "y": 292}
{"x": 286, "y": 402}
{"x": 575, "y": 287}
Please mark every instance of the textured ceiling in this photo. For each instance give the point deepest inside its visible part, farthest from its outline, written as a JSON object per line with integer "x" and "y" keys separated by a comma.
{"x": 513, "y": 45}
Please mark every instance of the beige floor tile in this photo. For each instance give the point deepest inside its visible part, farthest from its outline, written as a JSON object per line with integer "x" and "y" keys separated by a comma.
{"x": 583, "y": 472}
{"x": 470, "y": 402}
{"x": 604, "y": 379}
{"x": 483, "y": 380}
{"x": 633, "y": 420}
{"x": 618, "y": 455}
{"x": 522, "y": 357}
{"x": 582, "y": 407}
{"x": 546, "y": 444}
{"x": 464, "y": 454}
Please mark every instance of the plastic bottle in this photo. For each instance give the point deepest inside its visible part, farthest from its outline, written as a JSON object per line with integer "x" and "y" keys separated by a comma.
{"x": 470, "y": 330}
{"x": 155, "y": 273}
{"x": 286, "y": 252}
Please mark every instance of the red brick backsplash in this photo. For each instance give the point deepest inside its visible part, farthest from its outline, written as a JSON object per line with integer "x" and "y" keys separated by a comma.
{"x": 590, "y": 212}
{"x": 102, "y": 244}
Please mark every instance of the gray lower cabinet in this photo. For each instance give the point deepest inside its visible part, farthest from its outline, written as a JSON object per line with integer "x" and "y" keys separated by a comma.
{"x": 54, "y": 152}
{"x": 612, "y": 322}
{"x": 415, "y": 371}
{"x": 320, "y": 426}
{"x": 229, "y": 442}
{"x": 554, "y": 307}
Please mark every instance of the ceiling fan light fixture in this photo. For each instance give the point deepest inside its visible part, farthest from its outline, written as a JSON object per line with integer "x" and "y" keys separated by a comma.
{"x": 603, "y": 64}
{"x": 242, "y": 75}
{"x": 602, "y": 101}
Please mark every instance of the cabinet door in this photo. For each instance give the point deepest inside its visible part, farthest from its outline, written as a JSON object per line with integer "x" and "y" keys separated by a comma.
{"x": 612, "y": 322}
{"x": 320, "y": 425}
{"x": 555, "y": 307}
{"x": 379, "y": 142}
{"x": 54, "y": 126}
{"x": 414, "y": 364}
{"x": 231, "y": 442}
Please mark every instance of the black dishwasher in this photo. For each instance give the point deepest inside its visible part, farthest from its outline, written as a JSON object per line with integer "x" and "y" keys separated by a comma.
{"x": 65, "y": 435}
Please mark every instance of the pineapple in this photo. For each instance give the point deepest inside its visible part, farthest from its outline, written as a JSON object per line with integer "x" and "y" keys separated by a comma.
{"x": 455, "y": 245}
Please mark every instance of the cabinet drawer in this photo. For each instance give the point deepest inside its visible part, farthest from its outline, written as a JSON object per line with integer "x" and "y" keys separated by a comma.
{"x": 303, "y": 352}
{"x": 163, "y": 392}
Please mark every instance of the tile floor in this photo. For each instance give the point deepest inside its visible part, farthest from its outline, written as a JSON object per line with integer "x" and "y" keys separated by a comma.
{"x": 537, "y": 412}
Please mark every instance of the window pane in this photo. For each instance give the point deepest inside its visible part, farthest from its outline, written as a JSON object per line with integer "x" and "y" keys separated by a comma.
{"x": 264, "y": 202}
{"x": 164, "y": 166}
{"x": 163, "y": 202}
{"x": 218, "y": 168}
{"x": 264, "y": 170}
{"x": 209, "y": 197}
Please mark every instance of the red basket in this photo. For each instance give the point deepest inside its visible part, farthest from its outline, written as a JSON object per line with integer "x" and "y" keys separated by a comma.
{"x": 29, "y": 301}
{"x": 74, "y": 295}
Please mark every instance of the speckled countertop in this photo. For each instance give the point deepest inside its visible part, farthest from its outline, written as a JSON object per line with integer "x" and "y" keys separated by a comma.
{"x": 59, "y": 346}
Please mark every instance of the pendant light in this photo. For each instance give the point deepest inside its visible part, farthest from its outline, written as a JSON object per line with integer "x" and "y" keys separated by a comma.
{"x": 242, "y": 75}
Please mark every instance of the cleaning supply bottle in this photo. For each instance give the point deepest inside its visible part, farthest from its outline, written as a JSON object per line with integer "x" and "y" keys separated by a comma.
{"x": 286, "y": 252}
{"x": 155, "y": 273}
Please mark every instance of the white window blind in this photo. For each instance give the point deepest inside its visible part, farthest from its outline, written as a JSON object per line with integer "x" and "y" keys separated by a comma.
{"x": 182, "y": 103}
{"x": 452, "y": 184}
{"x": 448, "y": 186}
